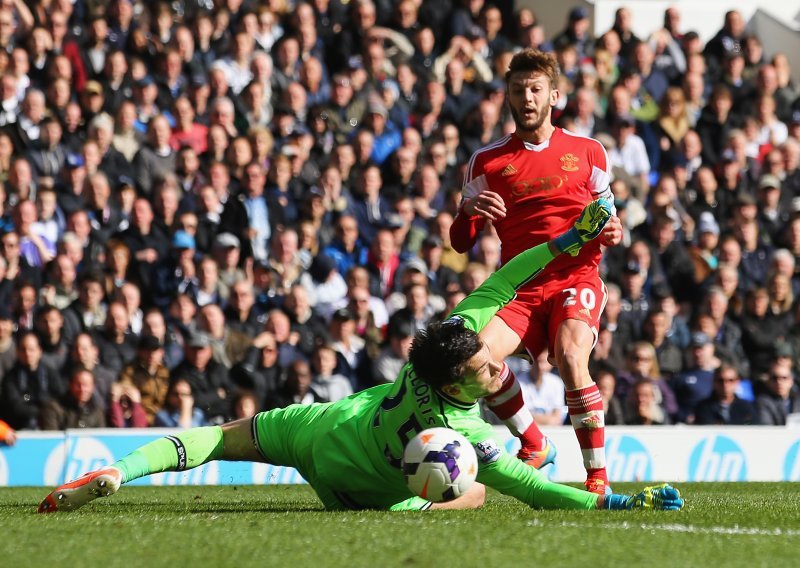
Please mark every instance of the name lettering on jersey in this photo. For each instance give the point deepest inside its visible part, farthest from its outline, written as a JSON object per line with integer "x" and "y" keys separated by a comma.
{"x": 509, "y": 170}
{"x": 569, "y": 162}
{"x": 488, "y": 451}
{"x": 539, "y": 184}
{"x": 422, "y": 396}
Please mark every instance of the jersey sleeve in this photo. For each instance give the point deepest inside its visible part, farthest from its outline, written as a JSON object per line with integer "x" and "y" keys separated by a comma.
{"x": 506, "y": 474}
{"x": 500, "y": 288}
{"x": 600, "y": 178}
{"x": 464, "y": 230}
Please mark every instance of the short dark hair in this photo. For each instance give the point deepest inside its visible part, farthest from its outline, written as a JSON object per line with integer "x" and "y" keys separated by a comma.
{"x": 533, "y": 60}
{"x": 440, "y": 353}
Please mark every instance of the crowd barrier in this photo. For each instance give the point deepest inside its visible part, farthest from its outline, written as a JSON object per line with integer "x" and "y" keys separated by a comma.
{"x": 678, "y": 454}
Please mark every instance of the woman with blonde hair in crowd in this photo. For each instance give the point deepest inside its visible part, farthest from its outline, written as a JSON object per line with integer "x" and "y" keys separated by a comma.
{"x": 642, "y": 364}
{"x": 673, "y": 119}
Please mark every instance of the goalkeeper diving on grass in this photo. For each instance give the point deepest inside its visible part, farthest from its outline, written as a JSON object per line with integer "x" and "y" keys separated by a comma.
{"x": 350, "y": 450}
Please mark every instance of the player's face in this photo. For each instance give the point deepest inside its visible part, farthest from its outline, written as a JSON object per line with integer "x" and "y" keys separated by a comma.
{"x": 530, "y": 98}
{"x": 483, "y": 377}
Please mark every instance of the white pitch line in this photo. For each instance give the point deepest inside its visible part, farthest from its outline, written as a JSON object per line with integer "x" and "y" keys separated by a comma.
{"x": 673, "y": 527}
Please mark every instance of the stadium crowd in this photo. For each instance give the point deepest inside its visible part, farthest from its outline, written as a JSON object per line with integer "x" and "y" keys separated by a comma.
{"x": 212, "y": 208}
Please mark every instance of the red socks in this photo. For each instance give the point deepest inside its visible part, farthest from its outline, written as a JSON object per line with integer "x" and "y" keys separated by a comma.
{"x": 508, "y": 405}
{"x": 588, "y": 419}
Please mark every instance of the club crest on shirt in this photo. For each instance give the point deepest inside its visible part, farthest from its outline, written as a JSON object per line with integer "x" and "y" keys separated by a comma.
{"x": 509, "y": 170}
{"x": 569, "y": 162}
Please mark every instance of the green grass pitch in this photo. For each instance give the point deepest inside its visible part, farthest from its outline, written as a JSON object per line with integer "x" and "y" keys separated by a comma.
{"x": 723, "y": 525}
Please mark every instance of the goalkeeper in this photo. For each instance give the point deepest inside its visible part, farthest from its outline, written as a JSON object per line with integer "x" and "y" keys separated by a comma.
{"x": 349, "y": 451}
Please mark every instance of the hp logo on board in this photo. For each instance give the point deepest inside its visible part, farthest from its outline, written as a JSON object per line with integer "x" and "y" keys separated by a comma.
{"x": 717, "y": 458}
{"x": 627, "y": 459}
{"x": 791, "y": 466}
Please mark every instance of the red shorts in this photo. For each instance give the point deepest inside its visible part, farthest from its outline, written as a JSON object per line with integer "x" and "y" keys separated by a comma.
{"x": 541, "y": 306}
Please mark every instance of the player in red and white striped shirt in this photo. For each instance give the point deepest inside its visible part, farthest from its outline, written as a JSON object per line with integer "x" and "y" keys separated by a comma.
{"x": 529, "y": 184}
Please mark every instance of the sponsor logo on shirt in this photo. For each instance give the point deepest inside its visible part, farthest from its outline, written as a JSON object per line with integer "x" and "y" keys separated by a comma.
{"x": 569, "y": 162}
{"x": 544, "y": 183}
{"x": 509, "y": 170}
{"x": 488, "y": 451}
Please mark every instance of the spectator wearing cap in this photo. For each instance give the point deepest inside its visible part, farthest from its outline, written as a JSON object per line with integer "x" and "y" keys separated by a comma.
{"x": 211, "y": 387}
{"x": 78, "y": 408}
{"x": 781, "y": 396}
{"x": 353, "y": 361}
{"x": 345, "y": 110}
{"x": 576, "y": 33}
{"x": 696, "y": 383}
{"x": 327, "y": 384}
{"x": 724, "y": 407}
{"x": 148, "y": 374}
{"x": 28, "y": 386}
{"x": 704, "y": 251}
{"x": 176, "y": 274}
{"x": 227, "y": 253}
{"x": 772, "y": 216}
{"x": 394, "y": 353}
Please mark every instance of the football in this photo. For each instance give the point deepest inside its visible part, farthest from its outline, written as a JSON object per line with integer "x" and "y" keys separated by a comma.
{"x": 439, "y": 464}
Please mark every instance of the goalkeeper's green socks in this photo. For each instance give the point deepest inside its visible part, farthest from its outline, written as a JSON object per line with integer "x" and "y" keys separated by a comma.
{"x": 173, "y": 453}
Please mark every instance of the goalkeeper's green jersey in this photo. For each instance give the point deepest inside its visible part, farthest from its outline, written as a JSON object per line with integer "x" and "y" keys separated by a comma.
{"x": 352, "y": 448}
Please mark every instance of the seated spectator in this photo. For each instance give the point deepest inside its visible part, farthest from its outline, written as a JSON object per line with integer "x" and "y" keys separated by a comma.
{"x": 328, "y": 385}
{"x": 55, "y": 349}
{"x": 642, "y": 364}
{"x": 350, "y": 347}
{"x": 28, "y": 386}
{"x": 148, "y": 374}
{"x": 179, "y": 410}
{"x": 79, "y": 408}
{"x": 696, "y": 383}
{"x": 297, "y": 388}
{"x": 781, "y": 397}
{"x": 245, "y": 405}
{"x": 241, "y": 314}
{"x": 310, "y": 328}
{"x": 394, "y": 354}
{"x": 670, "y": 357}
{"x": 229, "y": 347}
{"x": 125, "y": 408}
{"x": 8, "y": 347}
{"x": 84, "y": 353}
{"x": 88, "y": 312}
{"x": 260, "y": 373}
{"x": 606, "y": 382}
{"x": 208, "y": 379}
{"x": 642, "y": 407}
{"x": 724, "y": 406}
{"x": 543, "y": 392}
{"x": 117, "y": 346}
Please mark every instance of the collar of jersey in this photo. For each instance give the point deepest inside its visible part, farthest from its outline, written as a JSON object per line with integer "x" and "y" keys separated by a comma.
{"x": 536, "y": 147}
{"x": 457, "y": 403}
